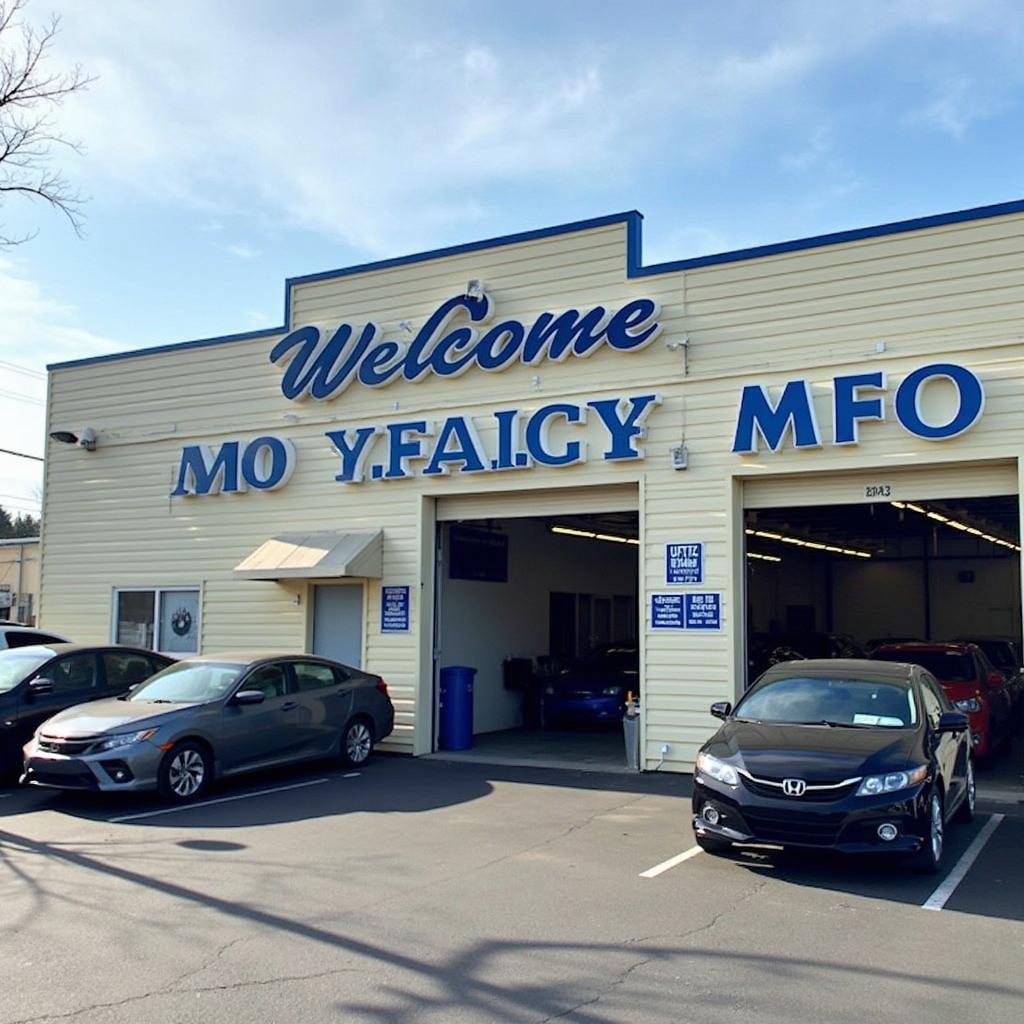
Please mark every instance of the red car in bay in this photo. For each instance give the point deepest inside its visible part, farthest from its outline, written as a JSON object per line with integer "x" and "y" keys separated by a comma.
{"x": 973, "y": 685}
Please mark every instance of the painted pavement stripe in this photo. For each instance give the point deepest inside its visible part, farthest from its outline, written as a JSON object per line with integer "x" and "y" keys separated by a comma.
{"x": 940, "y": 897}
{"x": 671, "y": 862}
{"x": 210, "y": 803}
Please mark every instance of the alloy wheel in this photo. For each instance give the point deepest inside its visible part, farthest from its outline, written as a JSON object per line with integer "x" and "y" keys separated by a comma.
{"x": 186, "y": 773}
{"x": 358, "y": 742}
{"x": 937, "y": 828}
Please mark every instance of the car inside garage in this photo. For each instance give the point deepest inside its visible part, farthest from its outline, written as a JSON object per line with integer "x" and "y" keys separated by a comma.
{"x": 935, "y": 581}
{"x": 545, "y": 610}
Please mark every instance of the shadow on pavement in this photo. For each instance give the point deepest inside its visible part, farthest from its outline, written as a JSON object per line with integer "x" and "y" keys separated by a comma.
{"x": 492, "y": 979}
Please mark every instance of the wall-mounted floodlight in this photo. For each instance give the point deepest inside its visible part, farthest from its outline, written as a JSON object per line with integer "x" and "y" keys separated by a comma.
{"x": 474, "y": 288}
{"x": 86, "y": 440}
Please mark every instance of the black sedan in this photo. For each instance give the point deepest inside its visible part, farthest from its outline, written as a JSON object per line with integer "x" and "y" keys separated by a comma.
{"x": 37, "y": 682}
{"x": 851, "y": 755}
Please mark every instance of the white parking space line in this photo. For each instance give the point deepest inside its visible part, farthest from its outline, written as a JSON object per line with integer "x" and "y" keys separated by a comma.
{"x": 940, "y": 897}
{"x": 351, "y": 775}
{"x": 210, "y": 803}
{"x": 671, "y": 862}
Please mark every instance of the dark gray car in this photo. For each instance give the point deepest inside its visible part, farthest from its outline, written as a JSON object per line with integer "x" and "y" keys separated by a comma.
{"x": 213, "y": 716}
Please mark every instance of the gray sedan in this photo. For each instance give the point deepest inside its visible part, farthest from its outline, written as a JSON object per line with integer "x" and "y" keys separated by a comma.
{"x": 212, "y": 716}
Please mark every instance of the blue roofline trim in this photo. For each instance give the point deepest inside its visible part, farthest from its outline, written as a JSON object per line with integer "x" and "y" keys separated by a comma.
{"x": 634, "y": 266}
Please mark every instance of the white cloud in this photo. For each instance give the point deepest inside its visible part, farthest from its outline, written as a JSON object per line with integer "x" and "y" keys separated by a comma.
{"x": 352, "y": 132}
{"x": 381, "y": 125}
{"x": 957, "y": 105}
{"x": 36, "y": 330}
{"x": 242, "y": 251}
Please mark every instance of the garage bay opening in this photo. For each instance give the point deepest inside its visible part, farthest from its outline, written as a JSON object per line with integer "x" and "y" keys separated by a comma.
{"x": 935, "y": 582}
{"x": 544, "y": 609}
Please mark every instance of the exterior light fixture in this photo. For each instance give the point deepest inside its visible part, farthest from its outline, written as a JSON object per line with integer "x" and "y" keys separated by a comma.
{"x": 86, "y": 440}
{"x": 474, "y": 288}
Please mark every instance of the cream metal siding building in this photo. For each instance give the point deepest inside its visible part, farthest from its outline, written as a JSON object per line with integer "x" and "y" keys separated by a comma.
{"x": 893, "y": 300}
{"x": 19, "y": 579}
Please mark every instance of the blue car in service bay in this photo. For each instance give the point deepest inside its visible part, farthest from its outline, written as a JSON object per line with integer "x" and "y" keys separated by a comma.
{"x": 850, "y": 755}
{"x": 594, "y": 689}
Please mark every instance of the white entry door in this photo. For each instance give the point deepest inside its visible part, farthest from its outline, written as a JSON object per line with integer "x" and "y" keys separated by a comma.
{"x": 338, "y": 622}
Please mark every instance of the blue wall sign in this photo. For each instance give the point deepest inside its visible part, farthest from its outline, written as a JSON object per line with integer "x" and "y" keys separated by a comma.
{"x": 667, "y": 611}
{"x": 684, "y": 563}
{"x": 703, "y": 611}
{"x": 856, "y": 398}
{"x": 686, "y": 611}
{"x": 448, "y": 345}
{"x": 394, "y": 609}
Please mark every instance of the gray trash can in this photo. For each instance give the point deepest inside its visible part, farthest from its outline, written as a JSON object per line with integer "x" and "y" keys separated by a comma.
{"x": 631, "y": 734}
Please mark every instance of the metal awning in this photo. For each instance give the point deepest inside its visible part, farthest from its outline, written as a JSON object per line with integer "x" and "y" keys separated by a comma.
{"x": 324, "y": 555}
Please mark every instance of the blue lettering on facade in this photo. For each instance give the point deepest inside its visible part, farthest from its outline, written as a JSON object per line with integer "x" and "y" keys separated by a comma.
{"x": 443, "y": 346}
{"x": 908, "y": 401}
{"x": 760, "y": 417}
{"x": 264, "y": 464}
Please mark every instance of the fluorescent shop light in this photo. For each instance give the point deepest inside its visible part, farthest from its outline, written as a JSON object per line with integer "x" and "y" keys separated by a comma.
{"x": 953, "y": 524}
{"x": 591, "y": 535}
{"x": 801, "y": 543}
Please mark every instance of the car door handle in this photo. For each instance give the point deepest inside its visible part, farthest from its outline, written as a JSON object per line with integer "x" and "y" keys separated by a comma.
{"x": 290, "y": 706}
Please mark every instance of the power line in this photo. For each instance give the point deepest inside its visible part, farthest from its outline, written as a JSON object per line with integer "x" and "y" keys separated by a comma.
{"x": 21, "y": 455}
{"x": 19, "y": 500}
{"x": 21, "y": 398}
{"x": 22, "y": 369}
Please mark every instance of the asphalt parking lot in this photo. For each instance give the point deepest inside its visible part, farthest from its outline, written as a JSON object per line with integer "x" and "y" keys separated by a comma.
{"x": 424, "y": 891}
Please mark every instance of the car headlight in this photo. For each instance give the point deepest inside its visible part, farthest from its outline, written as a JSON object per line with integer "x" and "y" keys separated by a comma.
{"x": 717, "y": 769}
{"x": 891, "y": 782}
{"x": 970, "y": 705}
{"x": 124, "y": 739}
{"x": 612, "y": 691}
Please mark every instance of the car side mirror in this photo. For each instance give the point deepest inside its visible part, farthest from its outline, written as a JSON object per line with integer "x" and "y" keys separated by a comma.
{"x": 249, "y": 697}
{"x": 40, "y": 686}
{"x": 721, "y": 709}
{"x": 952, "y": 721}
{"x": 996, "y": 679}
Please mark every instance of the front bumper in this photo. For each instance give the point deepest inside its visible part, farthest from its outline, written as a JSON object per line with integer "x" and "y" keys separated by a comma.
{"x": 125, "y": 769}
{"x": 847, "y": 825}
{"x": 584, "y": 709}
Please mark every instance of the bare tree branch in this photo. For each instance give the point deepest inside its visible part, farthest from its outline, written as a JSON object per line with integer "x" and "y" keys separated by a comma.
{"x": 29, "y": 92}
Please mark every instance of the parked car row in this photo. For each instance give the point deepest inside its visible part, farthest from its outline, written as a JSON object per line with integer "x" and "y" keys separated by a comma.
{"x": 982, "y": 675}
{"x": 116, "y": 718}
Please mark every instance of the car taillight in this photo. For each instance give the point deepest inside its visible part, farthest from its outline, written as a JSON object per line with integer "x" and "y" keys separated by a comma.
{"x": 382, "y": 687}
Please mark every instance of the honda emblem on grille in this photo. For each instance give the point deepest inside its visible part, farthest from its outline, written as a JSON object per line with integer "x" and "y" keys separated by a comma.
{"x": 794, "y": 787}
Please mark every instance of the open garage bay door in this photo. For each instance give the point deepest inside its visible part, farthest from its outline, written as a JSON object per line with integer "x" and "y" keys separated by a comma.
{"x": 912, "y": 565}
{"x": 538, "y": 502}
{"x": 973, "y": 480}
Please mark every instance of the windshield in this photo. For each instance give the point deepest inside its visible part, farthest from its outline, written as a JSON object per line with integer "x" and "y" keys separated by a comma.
{"x": 806, "y": 701}
{"x": 946, "y": 666}
{"x": 613, "y": 658}
{"x": 16, "y": 665}
{"x": 1000, "y": 653}
{"x": 190, "y": 683}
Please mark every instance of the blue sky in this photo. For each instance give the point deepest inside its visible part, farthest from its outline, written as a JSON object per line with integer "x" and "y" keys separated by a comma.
{"x": 228, "y": 145}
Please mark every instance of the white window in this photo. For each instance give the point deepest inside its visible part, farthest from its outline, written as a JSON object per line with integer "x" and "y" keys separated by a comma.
{"x": 163, "y": 619}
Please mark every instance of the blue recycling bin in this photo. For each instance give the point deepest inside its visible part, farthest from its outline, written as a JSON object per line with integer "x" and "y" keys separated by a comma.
{"x": 456, "y": 707}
